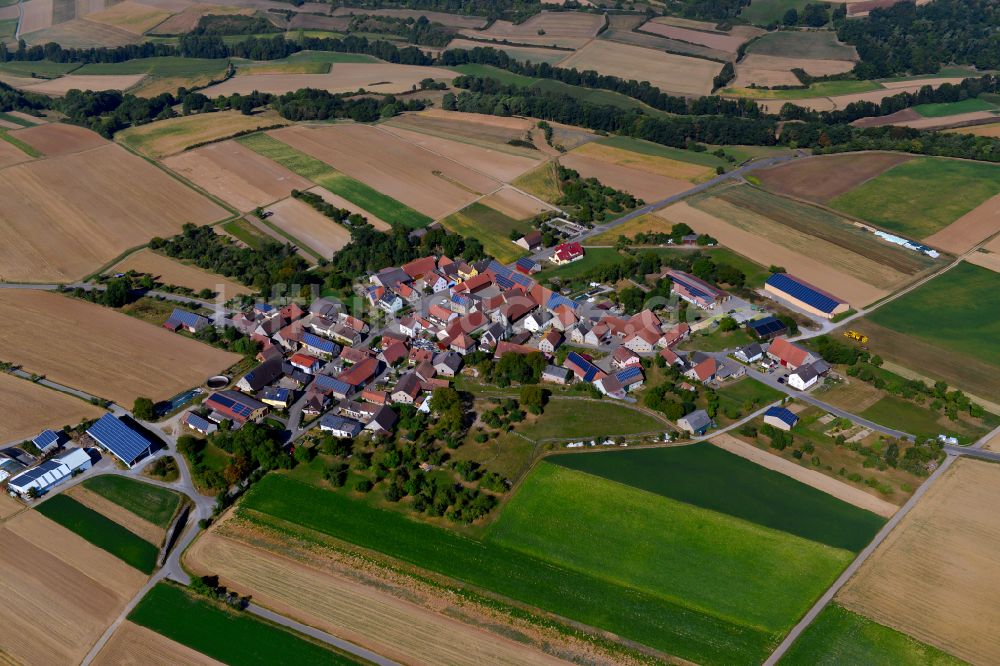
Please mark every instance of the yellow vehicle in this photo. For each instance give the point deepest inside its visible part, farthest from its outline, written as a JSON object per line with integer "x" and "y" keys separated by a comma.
{"x": 854, "y": 335}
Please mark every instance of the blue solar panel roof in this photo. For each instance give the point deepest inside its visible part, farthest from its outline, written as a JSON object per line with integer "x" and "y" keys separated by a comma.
{"x": 767, "y": 325}
{"x": 185, "y": 317}
{"x": 694, "y": 288}
{"x": 591, "y": 373}
{"x": 235, "y": 407}
{"x": 783, "y": 414}
{"x": 45, "y": 438}
{"x": 526, "y": 263}
{"x": 317, "y": 342}
{"x": 198, "y": 422}
{"x": 559, "y": 299}
{"x": 522, "y": 280}
{"x": 327, "y": 383}
{"x": 803, "y": 292}
{"x": 115, "y": 436}
{"x": 628, "y": 374}
{"x": 498, "y": 268}
{"x": 36, "y": 472}
{"x": 504, "y": 282}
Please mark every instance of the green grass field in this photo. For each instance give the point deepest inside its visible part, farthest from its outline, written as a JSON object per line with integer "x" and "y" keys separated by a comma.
{"x": 542, "y": 182}
{"x": 244, "y": 231}
{"x": 763, "y": 12}
{"x": 708, "y": 477}
{"x": 922, "y": 196}
{"x": 943, "y": 109}
{"x": 43, "y": 68}
{"x": 102, "y": 532}
{"x": 575, "y": 418}
{"x": 819, "y": 89}
{"x": 488, "y": 71}
{"x": 693, "y": 557}
{"x": 321, "y": 173}
{"x": 8, "y": 28}
{"x": 229, "y": 636}
{"x": 748, "y": 390}
{"x": 491, "y": 227}
{"x": 592, "y": 258}
{"x": 905, "y": 416}
{"x": 305, "y": 62}
{"x": 648, "y": 148}
{"x": 593, "y": 96}
{"x": 956, "y": 311}
{"x": 152, "y": 503}
{"x": 632, "y": 613}
{"x": 160, "y": 66}
{"x": 754, "y": 272}
{"x": 838, "y": 636}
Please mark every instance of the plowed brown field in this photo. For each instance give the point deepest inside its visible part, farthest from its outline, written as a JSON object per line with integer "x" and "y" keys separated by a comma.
{"x": 935, "y": 576}
{"x": 822, "y": 178}
{"x": 11, "y": 154}
{"x": 374, "y": 77}
{"x": 990, "y": 258}
{"x": 514, "y": 204}
{"x": 101, "y": 351}
{"x": 59, "y": 139}
{"x": 972, "y": 228}
{"x": 565, "y": 29}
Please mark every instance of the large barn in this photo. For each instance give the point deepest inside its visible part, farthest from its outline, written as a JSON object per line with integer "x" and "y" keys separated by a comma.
{"x": 805, "y": 296}
{"x": 122, "y": 441}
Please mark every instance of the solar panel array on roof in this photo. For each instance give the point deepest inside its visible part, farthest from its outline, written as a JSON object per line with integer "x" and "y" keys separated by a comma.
{"x": 234, "y": 406}
{"x": 628, "y": 374}
{"x": 767, "y": 326}
{"x": 558, "y": 299}
{"x": 522, "y": 280}
{"x": 589, "y": 369}
{"x": 498, "y": 268}
{"x": 526, "y": 263}
{"x": 34, "y": 473}
{"x": 783, "y": 414}
{"x": 126, "y": 444}
{"x": 317, "y": 342}
{"x": 807, "y": 294}
{"x": 197, "y": 422}
{"x": 186, "y": 318}
{"x": 328, "y": 383}
{"x": 45, "y": 438}
{"x": 504, "y": 282}
{"x": 695, "y": 289}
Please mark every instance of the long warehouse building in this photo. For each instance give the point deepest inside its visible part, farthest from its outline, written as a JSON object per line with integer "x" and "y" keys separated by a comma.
{"x": 805, "y": 296}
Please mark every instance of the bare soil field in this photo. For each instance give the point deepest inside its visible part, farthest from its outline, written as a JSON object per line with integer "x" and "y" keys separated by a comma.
{"x": 515, "y": 204}
{"x": 118, "y": 514}
{"x": 236, "y": 174}
{"x": 896, "y": 118}
{"x": 453, "y": 20}
{"x": 30, "y": 408}
{"x": 62, "y": 85}
{"x": 672, "y": 73}
{"x": 428, "y": 183}
{"x": 566, "y": 29}
{"x": 399, "y": 621}
{"x": 769, "y": 71}
{"x": 81, "y": 33}
{"x": 11, "y": 154}
{"x": 662, "y": 166}
{"x": 51, "y": 573}
{"x": 779, "y": 246}
{"x": 803, "y": 45}
{"x": 822, "y": 178}
{"x": 343, "y": 77}
{"x": 312, "y": 22}
{"x": 990, "y": 258}
{"x": 524, "y": 53}
{"x": 102, "y": 351}
{"x": 67, "y": 216}
{"x": 171, "y": 271}
{"x": 716, "y": 40}
{"x": 993, "y": 444}
{"x": 810, "y": 477}
{"x": 60, "y": 139}
{"x": 37, "y": 15}
{"x": 310, "y": 226}
{"x": 187, "y": 20}
{"x": 171, "y": 136}
{"x": 132, "y": 645}
{"x": 936, "y": 574}
{"x": 130, "y": 16}
{"x": 638, "y": 183}
{"x": 969, "y": 230}
{"x": 9, "y": 506}
{"x": 991, "y": 129}
{"x": 497, "y": 164}
{"x": 341, "y": 202}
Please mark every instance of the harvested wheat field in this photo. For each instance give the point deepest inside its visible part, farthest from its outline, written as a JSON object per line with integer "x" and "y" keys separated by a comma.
{"x": 969, "y": 230}
{"x": 897, "y": 118}
{"x": 671, "y": 73}
{"x": 909, "y": 83}
{"x": 768, "y": 71}
{"x": 62, "y": 85}
{"x": 715, "y": 40}
{"x": 174, "y": 135}
{"x": 11, "y": 154}
{"x": 494, "y": 163}
{"x": 58, "y": 139}
{"x": 37, "y": 15}
{"x": 935, "y": 576}
{"x": 823, "y": 178}
{"x": 515, "y": 204}
{"x": 343, "y": 77}
{"x": 428, "y": 183}
{"x": 319, "y": 591}
{"x": 29, "y": 408}
{"x": 768, "y": 245}
{"x": 82, "y": 33}
{"x": 130, "y": 16}
{"x": 662, "y": 166}
{"x": 988, "y": 256}
{"x": 236, "y": 174}
{"x": 563, "y": 29}
{"x": 306, "y": 224}
{"x": 187, "y": 19}
{"x": 341, "y": 202}
{"x": 533, "y": 54}
{"x": 65, "y": 217}
{"x": 991, "y": 129}
{"x": 104, "y": 352}
{"x": 132, "y": 645}
{"x": 171, "y": 271}
{"x": 646, "y": 224}
{"x": 492, "y": 132}
{"x": 51, "y": 573}
{"x": 810, "y": 477}
{"x": 638, "y": 183}
{"x": 9, "y": 506}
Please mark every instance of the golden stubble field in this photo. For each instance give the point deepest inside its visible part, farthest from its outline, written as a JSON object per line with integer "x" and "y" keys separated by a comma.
{"x": 29, "y": 408}
{"x": 170, "y": 271}
{"x": 60, "y": 592}
{"x": 935, "y": 577}
{"x": 64, "y": 217}
{"x": 638, "y": 182}
{"x": 132, "y": 645}
{"x": 308, "y": 225}
{"x": 669, "y": 72}
{"x": 173, "y": 135}
{"x": 101, "y": 351}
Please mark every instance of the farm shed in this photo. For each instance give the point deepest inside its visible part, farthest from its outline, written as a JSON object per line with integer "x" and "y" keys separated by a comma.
{"x": 189, "y": 321}
{"x": 234, "y": 406}
{"x": 780, "y": 418}
{"x": 122, "y": 441}
{"x": 696, "y": 291}
{"x": 51, "y": 472}
{"x": 805, "y": 296}
{"x": 766, "y": 328}
{"x": 47, "y": 439}
{"x": 697, "y": 422}
{"x": 199, "y": 424}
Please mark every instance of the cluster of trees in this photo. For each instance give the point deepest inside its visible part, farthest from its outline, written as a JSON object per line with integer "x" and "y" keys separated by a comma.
{"x": 677, "y": 232}
{"x": 919, "y": 39}
{"x": 588, "y": 200}
{"x": 253, "y": 446}
{"x": 234, "y": 24}
{"x": 371, "y": 250}
{"x": 413, "y": 31}
{"x": 270, "y": 264}
{"x": 511, "y": 369}
{"x": 339, "y": 215}
{"x": 669, "y": 399}
{"x": 713, "y": 10}
{"x": 503, "y": 416}
{"x": 12, "y": 99}
{"x": 450, "y": 414}
{"x": 228, "y": 338}
{"x": 314, "y": 104}
{"x": 514, "y": 10}
{"x": 813, "y": 15}
{"x": 277, "y": 47}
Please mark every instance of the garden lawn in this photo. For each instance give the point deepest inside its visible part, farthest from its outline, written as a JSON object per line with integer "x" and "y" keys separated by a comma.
{"x": 838, "y": 636}
{"x": 922, "y": 196}
{"x": 631, "y": 613}
{"x": 692, "y": 556}
{"x": 708, "y": 477}
{"x": 904, "y": 415}
{"x": 229, "y": 636}
{"x": 101, "y": 531}
{"x": 942, "y": 109}
{"x": 152, "y": 503}
{"x": 491, "y": 227}
{"x": 956, "y": 311}
{"x": 567, "y": 417}
{"x": 749, "y": 389}
{"x": 321, "y": 173}
{"x": 592, "y": 258}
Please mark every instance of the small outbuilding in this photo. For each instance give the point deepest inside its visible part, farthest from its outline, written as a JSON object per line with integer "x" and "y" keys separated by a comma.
{"x": 780, "y": 418}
